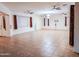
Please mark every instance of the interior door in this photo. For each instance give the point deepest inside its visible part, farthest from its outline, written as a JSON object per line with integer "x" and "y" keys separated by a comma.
{"x": 4, "y": 25}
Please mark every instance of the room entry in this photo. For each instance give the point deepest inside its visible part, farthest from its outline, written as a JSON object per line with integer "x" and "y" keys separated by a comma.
{"x": 3, "y": 24}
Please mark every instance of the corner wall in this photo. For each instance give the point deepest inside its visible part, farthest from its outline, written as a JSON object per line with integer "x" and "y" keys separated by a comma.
{"x": 76, "y": 29}
{"x": 6, "y": 11}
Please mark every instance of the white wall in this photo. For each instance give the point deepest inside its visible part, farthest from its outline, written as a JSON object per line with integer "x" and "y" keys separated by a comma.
{"x": 61, "y": 21}
{"x": 37, "y": 24}
{"x": 23, "y": 23}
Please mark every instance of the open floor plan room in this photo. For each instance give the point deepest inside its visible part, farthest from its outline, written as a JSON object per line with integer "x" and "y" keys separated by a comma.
{"x": 39, "y": 29}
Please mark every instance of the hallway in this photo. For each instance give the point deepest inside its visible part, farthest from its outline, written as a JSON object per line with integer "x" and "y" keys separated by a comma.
{"x": 37, "y": 43}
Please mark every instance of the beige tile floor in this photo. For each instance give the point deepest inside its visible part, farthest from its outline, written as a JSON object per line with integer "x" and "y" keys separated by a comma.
{"x": 43, "y": 43}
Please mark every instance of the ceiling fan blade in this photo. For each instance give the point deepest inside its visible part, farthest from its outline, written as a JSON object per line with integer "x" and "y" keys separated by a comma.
{"x": 58, "y": 8}
{"x": 29, "y": 12}
{"x": 64, "y": 4}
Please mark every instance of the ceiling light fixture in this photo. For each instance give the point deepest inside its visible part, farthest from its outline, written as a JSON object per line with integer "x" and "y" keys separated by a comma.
{"x": 48, "y": 16}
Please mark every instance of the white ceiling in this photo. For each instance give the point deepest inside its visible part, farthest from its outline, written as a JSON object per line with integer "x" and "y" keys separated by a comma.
{"x": 38, "y": 7}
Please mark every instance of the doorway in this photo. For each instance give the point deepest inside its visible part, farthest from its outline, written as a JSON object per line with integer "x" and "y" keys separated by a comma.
{"x": 4, "y": 24}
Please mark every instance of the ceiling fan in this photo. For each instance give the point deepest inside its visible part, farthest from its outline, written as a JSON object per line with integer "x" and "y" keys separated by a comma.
{"x": 64, "y": 13}
{"x": 56, "y": 8}
{"x": 29, "y": 12}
